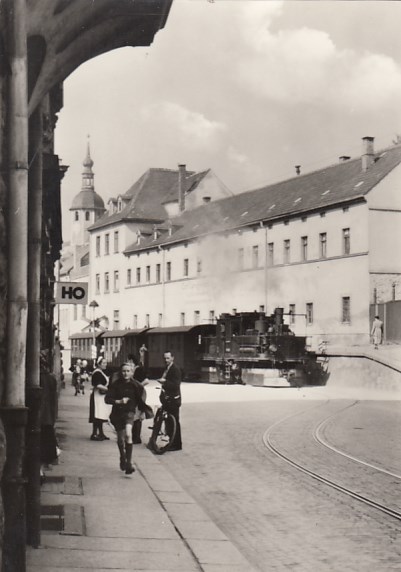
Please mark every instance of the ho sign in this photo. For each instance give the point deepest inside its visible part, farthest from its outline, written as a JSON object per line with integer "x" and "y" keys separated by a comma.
{"x": 71, "y": 293}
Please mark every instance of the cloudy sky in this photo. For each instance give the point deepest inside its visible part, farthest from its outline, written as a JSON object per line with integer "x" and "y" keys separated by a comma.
{"x": 249, "y": 88}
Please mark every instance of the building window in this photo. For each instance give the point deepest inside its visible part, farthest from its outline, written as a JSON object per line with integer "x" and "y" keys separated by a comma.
{"x": 323, "y": 244}
{"x": 135, "y": 321}
{"x": 168, "y": 271}
{"x": 107, "y": 244}
{"x": 255, "y": 256}
{"x": 196, "y": 317}
{"x": 240, "y": 259}
{"x": 97, "y": 287}
{"x": 211, "y": 316}
{"x": 182, "y": 319}
{"x": 87, "y": 215}
{"x": 309, "y": 313}
{"x": 148, "y": 274}
{"x": 138, "y": 275}
{"x": 346, "y": 241}
{"x": 270, "y": 253}
{"x": 76, "y": 215}
{"x": 186, "y": 266}
{"x": 346, "y": 310}
{"x": 116, "y": 319}
{"x": 292, "y": 313}
{"x": 304, "y": 248}
{"x": 129, "y": 277}
{"x": 116, "y": 241}
{"x": 106, "y": 282}
{"x": 147, "y": 321}
{"x": 158, "y": 273}
{"x": 98, "y": 246}
{"x": 160, "y": 320}
{"x": 287, "y": 245}
{"x": 116, "y": 281}
{"x": 199, "y": 265}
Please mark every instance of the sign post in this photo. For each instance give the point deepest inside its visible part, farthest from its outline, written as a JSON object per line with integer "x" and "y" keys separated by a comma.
{"x": 71, "y": 293}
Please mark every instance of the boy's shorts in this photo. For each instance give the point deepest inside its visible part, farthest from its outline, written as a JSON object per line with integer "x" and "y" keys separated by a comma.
{"x": 130, "y": 418}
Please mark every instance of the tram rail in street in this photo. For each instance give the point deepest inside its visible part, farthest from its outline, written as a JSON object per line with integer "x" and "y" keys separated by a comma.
{"x": 317, "y": 436}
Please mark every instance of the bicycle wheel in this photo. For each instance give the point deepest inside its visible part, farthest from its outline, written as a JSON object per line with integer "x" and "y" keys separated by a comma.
{"x": 163, "y": 434}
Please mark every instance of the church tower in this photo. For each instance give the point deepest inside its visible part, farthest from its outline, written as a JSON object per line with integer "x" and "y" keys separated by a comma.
{"x": 87, "y": 206}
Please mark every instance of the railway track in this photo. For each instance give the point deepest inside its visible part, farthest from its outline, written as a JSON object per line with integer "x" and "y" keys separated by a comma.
{"x": 334, "y": 457}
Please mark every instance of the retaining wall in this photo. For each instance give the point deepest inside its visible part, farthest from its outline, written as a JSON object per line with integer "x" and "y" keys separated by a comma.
{"x": 364, "y": 373}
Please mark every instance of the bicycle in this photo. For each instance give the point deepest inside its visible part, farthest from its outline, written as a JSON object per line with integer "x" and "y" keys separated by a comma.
{"x": 163, "y": 431}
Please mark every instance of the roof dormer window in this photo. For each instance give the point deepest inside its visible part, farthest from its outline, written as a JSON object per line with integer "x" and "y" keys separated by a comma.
{"x": 119, "y": 205}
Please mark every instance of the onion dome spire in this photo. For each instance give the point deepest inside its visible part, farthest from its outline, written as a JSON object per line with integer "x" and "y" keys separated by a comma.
{"x": 87, "y": 174}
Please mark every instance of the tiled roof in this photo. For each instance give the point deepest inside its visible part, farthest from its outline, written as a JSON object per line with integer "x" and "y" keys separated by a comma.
{"x": 145, "y": 198}
{"x": 321, "y": 189}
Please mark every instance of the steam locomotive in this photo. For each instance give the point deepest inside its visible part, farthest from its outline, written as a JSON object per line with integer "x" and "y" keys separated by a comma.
{"x": 244, "y": 347}
{"x": 261, "y": 349}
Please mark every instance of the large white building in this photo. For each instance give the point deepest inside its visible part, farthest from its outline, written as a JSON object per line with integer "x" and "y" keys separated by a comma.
{"x": 178, "y": 248}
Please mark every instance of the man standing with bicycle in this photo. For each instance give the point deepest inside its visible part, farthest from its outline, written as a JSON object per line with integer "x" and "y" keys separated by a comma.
{"x": 170, "y": 396}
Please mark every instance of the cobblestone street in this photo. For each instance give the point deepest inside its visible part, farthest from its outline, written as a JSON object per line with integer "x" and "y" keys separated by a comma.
{"x": 279, "y": 518}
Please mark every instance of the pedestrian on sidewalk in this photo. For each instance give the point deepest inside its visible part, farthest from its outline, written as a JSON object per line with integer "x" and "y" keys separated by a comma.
{"x": 170, "y": 395}
{"x": 84, "y": 376}
{"x": 377, "y": 332}
{"x": 125, "y": 395}
{"x": 76, "y": 376}
{"x": 99, "y": 410}
{"x": 140, "y": 375}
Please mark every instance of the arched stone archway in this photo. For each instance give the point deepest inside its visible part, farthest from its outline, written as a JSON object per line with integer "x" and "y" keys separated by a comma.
{"x": 41, "y": 43}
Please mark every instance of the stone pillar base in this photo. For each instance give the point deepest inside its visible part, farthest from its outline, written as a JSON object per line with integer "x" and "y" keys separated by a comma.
{"x": 13, "y": 489}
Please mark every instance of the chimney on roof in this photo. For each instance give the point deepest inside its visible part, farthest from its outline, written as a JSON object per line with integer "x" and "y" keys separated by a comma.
{"x": 368, "y": 153}
{"x": 344, "y": 158}
{"x": 181, "y": 187}
{"x": 138, "y": 236}
{"x": 298, "y": 169}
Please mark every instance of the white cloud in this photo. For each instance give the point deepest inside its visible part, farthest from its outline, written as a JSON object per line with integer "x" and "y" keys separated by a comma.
{"x": 304, "y": 65}
{"x": 190, "y": 127}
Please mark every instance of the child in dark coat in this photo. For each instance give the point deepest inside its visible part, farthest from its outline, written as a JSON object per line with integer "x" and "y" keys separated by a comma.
{"x": 125, "y": 395}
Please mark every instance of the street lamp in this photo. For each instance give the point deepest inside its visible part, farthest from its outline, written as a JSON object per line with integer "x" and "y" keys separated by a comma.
{"x": 93, "y": 305}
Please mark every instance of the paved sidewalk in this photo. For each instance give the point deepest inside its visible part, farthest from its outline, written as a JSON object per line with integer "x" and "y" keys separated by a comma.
{"x": 111, "y": 521}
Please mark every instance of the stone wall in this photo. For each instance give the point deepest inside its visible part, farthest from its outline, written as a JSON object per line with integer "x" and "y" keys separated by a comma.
{"x": 365, "y": 374}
